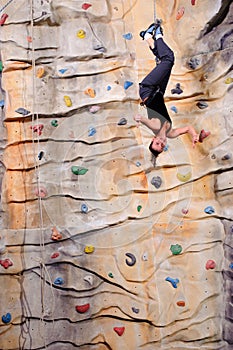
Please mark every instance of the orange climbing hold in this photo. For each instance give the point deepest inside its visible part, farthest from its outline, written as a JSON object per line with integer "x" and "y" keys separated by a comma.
{"x": 90, "y": 92}
{"x": 180, "y": 303}
{"x": 180, "y": 13}
{"x": 56, "y": 235}
{"x": 40, "y": 72}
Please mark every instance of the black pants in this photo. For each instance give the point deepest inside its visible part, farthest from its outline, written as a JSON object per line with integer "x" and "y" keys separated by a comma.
{"x": 159, "y": 76}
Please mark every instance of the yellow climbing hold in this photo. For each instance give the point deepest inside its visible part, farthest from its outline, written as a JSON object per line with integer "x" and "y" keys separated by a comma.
{"x": 185, "y": 177}
{"x": 228, "y": 80}
{"x": 40, "y": 72}
{"x": 81, "y": 34}
{"x": 68, "y": 101}
{"x": 90, "y": 92}
{"x": 89, "y": 249}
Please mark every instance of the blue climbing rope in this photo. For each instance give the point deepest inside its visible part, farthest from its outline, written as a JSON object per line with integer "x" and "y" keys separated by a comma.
{"x": 8, "y": 3}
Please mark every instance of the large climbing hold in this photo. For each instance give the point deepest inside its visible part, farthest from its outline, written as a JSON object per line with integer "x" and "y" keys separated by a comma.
{"x": 177, "y": 89}
{"x": 6, "y": 318}
{"x": 184, "y": 177}
{"x": 132, "y": 259}
{"x": 203, "y": 135}
{"x": 156, "y": 181}
{"x": 89, "y": 249}
{"x": 6, "y": 263}
{"x": 81, "y": 309}
{"x": 127, "y": 84}
{"x": 210, "y": 265}
{"x": 77, "y": 170}
{"x": 176, "y": 249}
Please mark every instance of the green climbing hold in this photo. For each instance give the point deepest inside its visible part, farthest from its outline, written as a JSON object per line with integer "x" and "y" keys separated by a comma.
{"x": 54, "y": 122}
{"x": 176, "y": 249}
{"x": 110, "y": 275}
{"x": 1, "y": 66}
{"x": 139, "y": 207}
{"x": 77, "y": 170}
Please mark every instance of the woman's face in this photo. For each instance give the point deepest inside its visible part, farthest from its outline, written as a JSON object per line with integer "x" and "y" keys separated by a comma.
{"x": 159, "y": 143}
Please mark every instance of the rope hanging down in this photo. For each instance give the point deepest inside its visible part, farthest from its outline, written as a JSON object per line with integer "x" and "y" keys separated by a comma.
{"x": 154, "y": 11}
{"x": 8, "y": 3}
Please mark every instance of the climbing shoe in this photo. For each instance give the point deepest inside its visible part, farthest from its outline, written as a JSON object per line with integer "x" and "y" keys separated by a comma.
{"x": 149, "y": 30}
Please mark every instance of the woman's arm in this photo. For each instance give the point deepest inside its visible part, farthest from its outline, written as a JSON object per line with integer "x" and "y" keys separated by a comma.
{"x": 185, "y": 130}
{"x": 152, "y": 124}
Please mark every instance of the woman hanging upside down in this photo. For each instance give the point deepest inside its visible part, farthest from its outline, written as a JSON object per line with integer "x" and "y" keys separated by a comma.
{"x": 151, "y": 91}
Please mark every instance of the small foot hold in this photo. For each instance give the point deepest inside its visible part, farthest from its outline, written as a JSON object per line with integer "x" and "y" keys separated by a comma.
{"x": 203, "y": 135}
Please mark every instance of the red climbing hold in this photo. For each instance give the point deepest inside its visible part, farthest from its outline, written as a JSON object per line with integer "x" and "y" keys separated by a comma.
{"x": 3, "y": 18}
{"x": 86, "y": 6}
{"x": 203, "y": 135}
{"x": 180, "y": 13}
{"x": 55, "y": 255}
{"x": 6, "y": 263}
{"x": 119, "y": 330}
{"x": 82, "y": 308}
{"x": 210, "y": 265}
{"x": 193, "y": 2}
{"x": 180, "y": 303}
{"x": 38, "y": 128}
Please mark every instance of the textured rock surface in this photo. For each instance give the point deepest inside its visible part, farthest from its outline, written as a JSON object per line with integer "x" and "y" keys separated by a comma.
{"x": 99, "y": 257}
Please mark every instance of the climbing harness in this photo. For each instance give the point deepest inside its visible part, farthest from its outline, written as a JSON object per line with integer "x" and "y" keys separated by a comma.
{"x": 8, "y": 3}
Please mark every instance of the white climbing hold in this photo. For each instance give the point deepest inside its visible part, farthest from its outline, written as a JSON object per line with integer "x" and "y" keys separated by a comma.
{"x": 89, "y": 279}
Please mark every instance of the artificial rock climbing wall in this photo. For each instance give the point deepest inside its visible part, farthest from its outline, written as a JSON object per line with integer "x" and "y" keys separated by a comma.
{"x": 99, "y": 249}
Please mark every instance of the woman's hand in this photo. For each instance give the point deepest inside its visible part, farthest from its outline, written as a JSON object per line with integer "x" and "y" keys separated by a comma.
{"x": 138, "y": 119}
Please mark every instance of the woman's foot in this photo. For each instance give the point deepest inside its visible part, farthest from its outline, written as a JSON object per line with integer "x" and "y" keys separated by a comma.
{"x": 152, "y": 29}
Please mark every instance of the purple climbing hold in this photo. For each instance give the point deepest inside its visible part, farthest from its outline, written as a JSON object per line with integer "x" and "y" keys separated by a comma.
{"x": 135, "y": 310}
{"x": 132, "y": 259}
{"x": 6, "y": 318}
{"x": 128, "y": 36}
{"x": 156, "y": 181}
{"x": 173, "y": 281}
{"x": 94, "y": 109}
{"x": 91, "y": 131}
{"x": 127, "y": 84}
{"x": 122, "y": 121}
{"x": 209, "y": 210}
{"x": 22, "y": 111}
{"x": 226, "y": 157}
{"x": 177, "y": 89}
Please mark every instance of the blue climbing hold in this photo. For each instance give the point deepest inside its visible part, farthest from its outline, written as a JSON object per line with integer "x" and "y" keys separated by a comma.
{"x": 84, "y": 208}
{"x": 231, "y": 266}
{"x": 127, "y": 84}
{"x": 59, "y": 281}
{"x": 174, "y": 109}
{"x": 173, "y": 281}
{"x": 138, "y": 164}
{"x": 63, "y": 70}
{"x": 166, "y": 148}
{"x": 91, "y": 131}
{"x": 128, "y": 36}
{"x": 209, "y": 210}
{"x": 109, "y": 88}
{"x": 6, "y": 318}
{"x": 2, "y": 103}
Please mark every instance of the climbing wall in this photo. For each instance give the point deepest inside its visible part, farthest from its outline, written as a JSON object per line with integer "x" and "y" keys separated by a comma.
{"x": 99, "y": 249}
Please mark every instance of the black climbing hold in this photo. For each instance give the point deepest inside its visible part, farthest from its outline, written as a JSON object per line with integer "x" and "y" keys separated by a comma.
{"x": 202, "y": 104}
{"x": 156, "y": 181}
{"x": 177, "y": 89}
{"x": 135, "y": 310}
{"x": 122, "y": 121}
{"x": 132, "y": 260}
{"x": 40, "y": 155}
{"x": 193, "y": 62}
